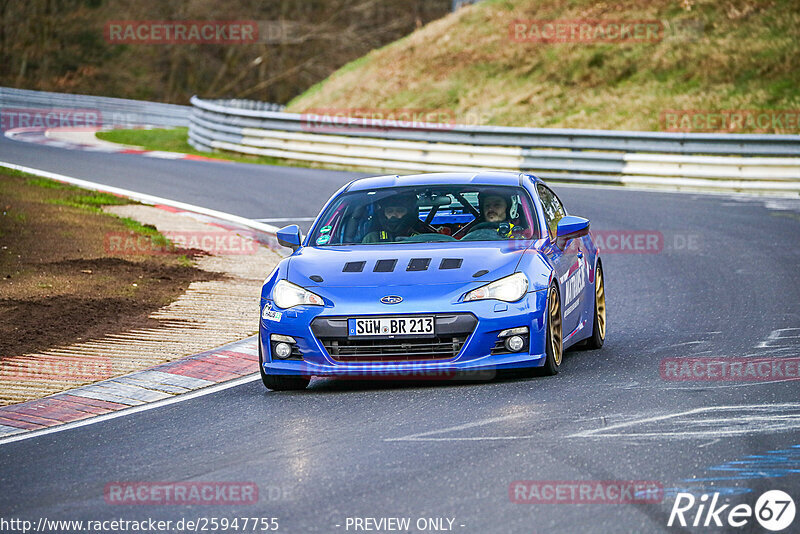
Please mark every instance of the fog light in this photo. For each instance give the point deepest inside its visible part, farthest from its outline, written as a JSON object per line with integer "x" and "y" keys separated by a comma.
{"x": 514, "y": 343}
{"x": 283, "y": 350}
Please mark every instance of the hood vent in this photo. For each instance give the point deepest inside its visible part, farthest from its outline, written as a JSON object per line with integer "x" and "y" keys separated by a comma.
{"x": 316, "y": 278}
{"x": 418, "y": 264}
{"x": 354, "y": 266}
{"x": 384, "y": 266}
{"x": 480, "y": 273}
{"x": 450, "y": 263}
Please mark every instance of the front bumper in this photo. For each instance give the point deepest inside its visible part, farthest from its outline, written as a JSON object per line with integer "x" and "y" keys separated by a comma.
{"x": 313, "y": 327}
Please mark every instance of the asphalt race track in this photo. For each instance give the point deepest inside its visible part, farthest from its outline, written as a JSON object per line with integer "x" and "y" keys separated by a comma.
{"x": 723, "y": 284}
{"x": 245, "y": 190}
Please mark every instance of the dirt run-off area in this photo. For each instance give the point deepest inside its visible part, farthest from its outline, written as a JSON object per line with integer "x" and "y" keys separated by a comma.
{"x": 71, "y": 285}
{"x": 58, "y": 282}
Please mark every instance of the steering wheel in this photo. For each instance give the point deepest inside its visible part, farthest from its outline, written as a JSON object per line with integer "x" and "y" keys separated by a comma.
{"x": 486, "y": 225}
{"x": 472, "y": 226}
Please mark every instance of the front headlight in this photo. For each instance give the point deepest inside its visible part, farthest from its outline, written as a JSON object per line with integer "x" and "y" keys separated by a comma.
{"x": 508, "y": 289}
{"x": 286, "y": 295}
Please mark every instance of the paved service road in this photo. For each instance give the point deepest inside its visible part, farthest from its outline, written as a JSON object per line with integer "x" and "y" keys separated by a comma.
{"x": 724, "y": 284}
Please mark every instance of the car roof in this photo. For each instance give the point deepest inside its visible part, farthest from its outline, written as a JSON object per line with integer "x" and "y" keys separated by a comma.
{"x": 439, "y": 178}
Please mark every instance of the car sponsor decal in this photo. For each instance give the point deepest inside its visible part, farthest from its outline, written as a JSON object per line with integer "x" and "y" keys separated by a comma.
{"x": 572, "y": 308}
{"x": 575, "y": 266}
{"x": 574, "y": 283}
{"x": 269, "y": 314}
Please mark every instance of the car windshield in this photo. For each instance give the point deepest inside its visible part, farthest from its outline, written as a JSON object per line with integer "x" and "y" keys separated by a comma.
{"x": 427, "y": 214}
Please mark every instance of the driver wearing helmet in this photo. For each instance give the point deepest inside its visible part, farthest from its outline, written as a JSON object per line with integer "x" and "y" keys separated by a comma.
{"x": 495, "y": 209}
{"x": 397, "y": 216}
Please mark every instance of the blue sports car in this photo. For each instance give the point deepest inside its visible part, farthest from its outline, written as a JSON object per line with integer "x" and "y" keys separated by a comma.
{"x": 432, "y": 275}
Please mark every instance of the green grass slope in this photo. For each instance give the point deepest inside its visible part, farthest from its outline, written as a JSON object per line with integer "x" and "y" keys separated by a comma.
{"x": 714, "y": 55}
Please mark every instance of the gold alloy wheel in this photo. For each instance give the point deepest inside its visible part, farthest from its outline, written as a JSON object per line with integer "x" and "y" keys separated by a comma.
{"x": 600, "y": 302}
{"x": 555, "y": 326}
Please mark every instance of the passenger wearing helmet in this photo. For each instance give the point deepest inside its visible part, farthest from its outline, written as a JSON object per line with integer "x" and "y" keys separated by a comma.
{"x": 397, "y": 216}
{"x": 495, "y": 210}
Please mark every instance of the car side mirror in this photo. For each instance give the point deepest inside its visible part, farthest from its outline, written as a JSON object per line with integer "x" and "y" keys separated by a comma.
{"x": 571, "y": 227}
{"x": 289, "y": 236}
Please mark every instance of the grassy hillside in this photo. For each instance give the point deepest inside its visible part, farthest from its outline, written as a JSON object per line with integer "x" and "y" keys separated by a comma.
{"x": 715, "y": 55}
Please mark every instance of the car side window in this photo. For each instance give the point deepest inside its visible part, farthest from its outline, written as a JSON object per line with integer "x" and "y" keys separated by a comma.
{"x": 553, "y": 209}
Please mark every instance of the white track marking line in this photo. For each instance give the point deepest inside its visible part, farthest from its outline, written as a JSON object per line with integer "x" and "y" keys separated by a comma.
{"x": 678, "y": 345}
{"x": 702, "y": 385}
{"x": 679, "y": 414}
{"x": 421, "y": 436}
{"x": 130, "y": 411}
{"x": 785, "y": 422}
{"x": 602, "y": 432}
{"x": 775, "y": 336}
{"x": 144, "y": 198}
{"x": 285, "y": 219}
{"x": 705, "y": 434}
{"x": 475, "y": 438}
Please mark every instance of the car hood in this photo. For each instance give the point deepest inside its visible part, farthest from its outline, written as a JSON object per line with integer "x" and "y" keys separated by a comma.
{"x": 407, "y": 264}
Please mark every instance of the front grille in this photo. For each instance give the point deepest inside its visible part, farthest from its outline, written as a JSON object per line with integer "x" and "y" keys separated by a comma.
{"x": 452, "y": 331}
{"x": 499, "y": 347}
{"x": 394, "y": 350}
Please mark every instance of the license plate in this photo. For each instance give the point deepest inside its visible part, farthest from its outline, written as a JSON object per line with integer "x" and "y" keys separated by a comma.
{"x": 391, "y": 326}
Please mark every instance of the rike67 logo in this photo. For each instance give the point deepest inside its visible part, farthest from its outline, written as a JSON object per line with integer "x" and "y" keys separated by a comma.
{"x": 774, "y": 510}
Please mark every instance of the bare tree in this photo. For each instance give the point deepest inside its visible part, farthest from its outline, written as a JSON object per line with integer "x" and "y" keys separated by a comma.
{"x": 60, "y": 45}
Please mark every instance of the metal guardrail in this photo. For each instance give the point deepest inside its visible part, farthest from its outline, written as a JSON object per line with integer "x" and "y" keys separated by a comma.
{"x": 717, "y": 161}
{"x": 114, "y": 112}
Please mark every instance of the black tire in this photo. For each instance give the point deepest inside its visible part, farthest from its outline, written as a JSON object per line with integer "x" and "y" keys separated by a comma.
{"x": 280, "y": 382}
{"x": 599, "y": 324}
{"x": 555, "y": 338}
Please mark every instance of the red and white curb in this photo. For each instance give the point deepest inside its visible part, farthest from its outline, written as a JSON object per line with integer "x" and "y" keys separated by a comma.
{"x": 232, "y": 361}
{"x": 83, "y": 138}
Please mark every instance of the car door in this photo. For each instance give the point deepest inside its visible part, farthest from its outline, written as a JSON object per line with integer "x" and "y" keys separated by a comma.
{"x": 568, "y": 261}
